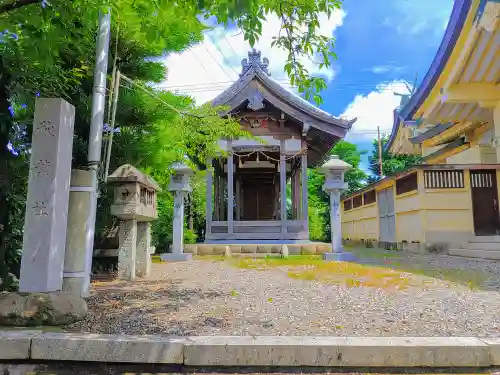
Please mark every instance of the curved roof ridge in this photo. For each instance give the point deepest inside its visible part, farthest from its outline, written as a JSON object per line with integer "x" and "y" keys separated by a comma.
{"x": 455, "y": 24}
{"x": 258, "y": 69}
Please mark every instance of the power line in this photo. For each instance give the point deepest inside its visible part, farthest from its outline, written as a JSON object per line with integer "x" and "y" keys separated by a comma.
{"x": 199, "y": 61}
{"x": 218, "y": 63}
{"x": 222, "y": 53}
{"x": 230, "y": 46}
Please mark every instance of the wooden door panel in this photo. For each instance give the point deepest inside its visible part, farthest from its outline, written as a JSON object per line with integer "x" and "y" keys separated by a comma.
{"x": 484, "y": 195}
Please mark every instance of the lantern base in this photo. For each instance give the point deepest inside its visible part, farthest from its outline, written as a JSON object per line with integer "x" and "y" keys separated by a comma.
{"x": 171, "y": 257}
{"x": 338, "y": 257}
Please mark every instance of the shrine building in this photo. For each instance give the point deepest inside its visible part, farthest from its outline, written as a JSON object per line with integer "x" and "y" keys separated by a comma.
{"x": 247, "y": 194}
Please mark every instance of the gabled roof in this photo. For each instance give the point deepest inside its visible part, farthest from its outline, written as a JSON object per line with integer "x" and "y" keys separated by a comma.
{"x": 129, "y": 173}
{"x": 255, "y": 69}
{"x": 457, "y": 20}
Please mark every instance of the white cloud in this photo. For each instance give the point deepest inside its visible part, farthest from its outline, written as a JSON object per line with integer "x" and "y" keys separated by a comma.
{"x": 374, "y": 109}
{"x": 382, "y": 69}
{"x": 203, "y": 72}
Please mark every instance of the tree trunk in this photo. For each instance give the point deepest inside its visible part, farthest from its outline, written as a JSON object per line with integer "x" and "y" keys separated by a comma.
{"x": 5, "y": 180}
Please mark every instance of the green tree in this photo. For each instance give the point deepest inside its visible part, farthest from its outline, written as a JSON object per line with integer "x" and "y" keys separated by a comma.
{"x": 391, "y": 164}
{"x": 47, "y": 48}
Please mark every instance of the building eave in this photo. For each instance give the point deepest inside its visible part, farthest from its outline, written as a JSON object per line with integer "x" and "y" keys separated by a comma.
{"x": 339, "y": 126}
{"x": 456, "y": 23}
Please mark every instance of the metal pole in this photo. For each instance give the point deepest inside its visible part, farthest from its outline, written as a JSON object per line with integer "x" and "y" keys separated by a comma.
{"x": 95, "y": 134}
{"x": 109, "y": 144}
{"x": 380, "y": 153}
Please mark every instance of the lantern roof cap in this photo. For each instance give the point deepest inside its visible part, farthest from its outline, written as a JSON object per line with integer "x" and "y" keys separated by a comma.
{"x": 334, "y": 163}
{"x": 129, "y": 173}
{"x": 180, "y": 167}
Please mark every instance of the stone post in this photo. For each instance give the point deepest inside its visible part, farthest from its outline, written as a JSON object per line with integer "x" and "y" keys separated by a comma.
{"x": 45, "y": 225}
{"x": 127, "y": 250}
{"x": 76, "y": 272}
{"x": 179, "y": 185}
{"x": 334, "y": 170}
{"x": 143, "y": 257}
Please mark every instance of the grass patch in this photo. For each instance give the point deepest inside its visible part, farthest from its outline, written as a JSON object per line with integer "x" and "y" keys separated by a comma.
{"x": 156, "y": 259}
{"x": 313, "y": 268}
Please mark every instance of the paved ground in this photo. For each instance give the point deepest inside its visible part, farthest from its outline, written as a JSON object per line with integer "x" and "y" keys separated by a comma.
{"x": 117, "y": 369}
{"x": 383, "y": 294}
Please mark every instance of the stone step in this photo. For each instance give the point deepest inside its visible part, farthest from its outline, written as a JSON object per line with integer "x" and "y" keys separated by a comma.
{"x": 474, "y": 253}
{"x": 487, "y": 246}
{"x": 485, "y": 239}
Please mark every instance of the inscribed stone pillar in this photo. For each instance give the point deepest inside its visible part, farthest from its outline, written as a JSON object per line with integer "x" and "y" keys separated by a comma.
{"x": 45, "y": 225}
{"x": 127, "y": 249}
{"x": 143, "y": 258}
{"x": 75, "y": 273}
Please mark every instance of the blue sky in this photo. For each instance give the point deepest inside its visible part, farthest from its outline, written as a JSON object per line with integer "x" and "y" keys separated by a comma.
{"x": 380, "y": 45}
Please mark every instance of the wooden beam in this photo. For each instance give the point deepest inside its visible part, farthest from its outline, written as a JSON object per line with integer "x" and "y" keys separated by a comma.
{"x": 472, "y": 93}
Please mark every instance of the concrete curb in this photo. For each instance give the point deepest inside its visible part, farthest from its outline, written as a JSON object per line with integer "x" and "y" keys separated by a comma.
{"x": 278, "y": 351}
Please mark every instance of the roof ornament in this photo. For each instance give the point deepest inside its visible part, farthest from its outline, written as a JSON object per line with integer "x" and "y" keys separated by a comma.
{"x": 254, "y": 60}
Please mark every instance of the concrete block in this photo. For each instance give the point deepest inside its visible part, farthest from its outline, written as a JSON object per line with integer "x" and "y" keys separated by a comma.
{"x": 235, "y": 249}
{"x": 107, "y": 348}
{"x": 294, "y": 249}
{"x": 249, "y": 249}
{"x": 219, "y": 250}
{"x": 205, "y": 249}
{"x": 260, "y": 351}
{"x": 191, "y": 249}
{"x": 16, "y": 344}
{"x": 336, "y": 351}
{"x": 413, "y": 352}
{"x": 171, "y": 257}
{"x": 323, "y": 248}
{"x": 264, "y": 249}
{"x": 308, "y": 249}
{"x": 494, "y": 350}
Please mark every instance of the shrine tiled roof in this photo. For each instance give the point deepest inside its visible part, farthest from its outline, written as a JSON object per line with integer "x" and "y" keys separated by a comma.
{"x": 255, "y": 68}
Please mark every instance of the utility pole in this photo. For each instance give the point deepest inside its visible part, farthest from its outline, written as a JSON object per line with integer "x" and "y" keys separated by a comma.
{"x": 380, "y": 153}
{"x": 95, "y": 134}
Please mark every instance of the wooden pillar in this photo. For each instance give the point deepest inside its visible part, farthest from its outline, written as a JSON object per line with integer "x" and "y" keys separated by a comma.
{"x": 208, "y": 203}
{"x": 305, "y": 203}
{"x": 230, "y": 185}
{"x": 293, "y": 188}
{"x": 221, "y": 198}
{"x": 283, "y": 188}
{"x": 238, "y": 199}
{"x": 296, "y": 194}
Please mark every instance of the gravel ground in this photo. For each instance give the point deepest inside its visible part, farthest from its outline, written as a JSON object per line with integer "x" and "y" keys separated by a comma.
{"x": 206, "y": 297}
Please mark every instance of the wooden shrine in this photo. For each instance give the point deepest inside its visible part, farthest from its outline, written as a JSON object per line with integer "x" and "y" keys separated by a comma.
{"x": 259, "y": 192}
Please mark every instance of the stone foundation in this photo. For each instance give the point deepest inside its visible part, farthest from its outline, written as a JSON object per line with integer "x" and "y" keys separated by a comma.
{"x": 265, "y": 249}
{"x": 413, "y": 247}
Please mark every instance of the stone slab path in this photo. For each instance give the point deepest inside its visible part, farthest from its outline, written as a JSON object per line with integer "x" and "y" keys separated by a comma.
{"x": 418, "y": 296}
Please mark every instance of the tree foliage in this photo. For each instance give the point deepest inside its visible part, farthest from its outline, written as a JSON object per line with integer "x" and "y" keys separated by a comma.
{"x": 391, "y": 164}
{"x": 47, "y": 49}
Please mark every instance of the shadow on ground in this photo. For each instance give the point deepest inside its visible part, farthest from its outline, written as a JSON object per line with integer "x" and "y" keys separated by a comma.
{"x": 148, "y": 306}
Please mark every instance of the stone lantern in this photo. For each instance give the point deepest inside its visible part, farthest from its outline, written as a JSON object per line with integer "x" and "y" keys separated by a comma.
{"x": 179, "y": 186}
{"x": 135, "y": 205}
{"x": 334, "y": 170}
